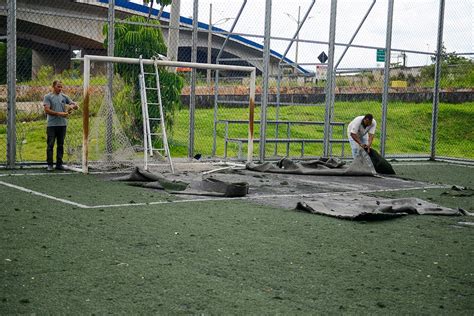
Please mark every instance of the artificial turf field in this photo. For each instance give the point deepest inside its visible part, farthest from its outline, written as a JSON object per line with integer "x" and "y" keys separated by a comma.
{"x": 153, "y": 255}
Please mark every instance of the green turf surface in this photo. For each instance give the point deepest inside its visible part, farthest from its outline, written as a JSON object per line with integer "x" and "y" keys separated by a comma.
{"x": 224, "y": 257}
{"x": 87, "y": 190}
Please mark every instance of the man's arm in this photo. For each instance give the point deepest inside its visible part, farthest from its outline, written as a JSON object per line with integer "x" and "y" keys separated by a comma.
{"x": 371, "y": 139}
{"x": 356, "y": 138}
{"x": 47, "y": 110}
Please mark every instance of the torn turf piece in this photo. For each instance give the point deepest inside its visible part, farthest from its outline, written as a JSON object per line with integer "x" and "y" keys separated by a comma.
{"x": 214, "y": 187}
{"x": 139, "y": 175}
{"x": 371, "y": 208}
{"x": 360, "y": 166}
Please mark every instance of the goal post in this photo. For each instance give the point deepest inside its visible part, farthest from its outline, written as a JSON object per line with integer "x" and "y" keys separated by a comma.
{"x": 88, "y": 59}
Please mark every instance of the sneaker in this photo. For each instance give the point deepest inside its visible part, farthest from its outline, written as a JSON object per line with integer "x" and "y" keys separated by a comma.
{"x": 60, "y": 167}
{"x": 50, "y": 168}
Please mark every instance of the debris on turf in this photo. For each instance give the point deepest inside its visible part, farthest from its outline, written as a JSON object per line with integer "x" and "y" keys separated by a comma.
{"x": 207, "y": 186}
{"x": 360, "y": 166}
{"x": 367, "y": 208}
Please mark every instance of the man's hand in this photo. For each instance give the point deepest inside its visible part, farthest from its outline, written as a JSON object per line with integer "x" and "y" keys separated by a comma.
{"x": 365, "y": 147}
{"x": 63, "y": 114}
{"x": 71, "y": 107}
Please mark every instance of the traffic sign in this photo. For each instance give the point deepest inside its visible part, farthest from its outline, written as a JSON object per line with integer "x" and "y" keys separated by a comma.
{"x": 380, "y": 55}
{"x": 323, "y": 57}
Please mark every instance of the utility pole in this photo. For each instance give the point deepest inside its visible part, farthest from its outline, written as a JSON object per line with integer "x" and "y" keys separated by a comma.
{"x": 173, "y": 33}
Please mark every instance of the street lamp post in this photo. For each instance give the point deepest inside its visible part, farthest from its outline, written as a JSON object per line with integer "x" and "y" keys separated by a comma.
{"x": 298, "y": 22}
{"x": 209, "y": 40}
{"x": 297, "y": 39}
{"x": 428, "y": 56}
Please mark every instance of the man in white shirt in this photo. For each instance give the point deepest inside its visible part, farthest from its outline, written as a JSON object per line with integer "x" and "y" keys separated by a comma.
{"x": 357, "y": 133}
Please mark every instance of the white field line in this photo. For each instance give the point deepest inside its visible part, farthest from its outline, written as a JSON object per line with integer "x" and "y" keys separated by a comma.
{"x": 57, "y": 173}
{"x": 419, "y": 181}
{"x": 43, "y": 195}
{"x": 431, "y": 164}
{"x": 36, "y": 174}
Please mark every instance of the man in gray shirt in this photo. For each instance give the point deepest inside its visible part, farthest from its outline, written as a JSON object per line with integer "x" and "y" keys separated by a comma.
{"x": 57, "y": 107}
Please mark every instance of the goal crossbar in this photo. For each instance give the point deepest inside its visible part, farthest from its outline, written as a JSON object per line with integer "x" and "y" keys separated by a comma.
{"x": 87, "y": 59}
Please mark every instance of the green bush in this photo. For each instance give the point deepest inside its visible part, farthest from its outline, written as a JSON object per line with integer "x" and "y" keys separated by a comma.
{"x": 3, "y": 117}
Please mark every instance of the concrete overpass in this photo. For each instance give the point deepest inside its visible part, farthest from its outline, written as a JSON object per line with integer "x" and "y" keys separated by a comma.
{"x": 53, "y": 29}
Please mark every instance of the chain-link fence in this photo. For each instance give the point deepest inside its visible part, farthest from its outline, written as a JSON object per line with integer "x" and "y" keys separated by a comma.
{"x": 210, "y": 117}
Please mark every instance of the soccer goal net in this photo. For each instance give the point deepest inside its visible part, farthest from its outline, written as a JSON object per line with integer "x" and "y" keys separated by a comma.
{"x": 117, "y": 130}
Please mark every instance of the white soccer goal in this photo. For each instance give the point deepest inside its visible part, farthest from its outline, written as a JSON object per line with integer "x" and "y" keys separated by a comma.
{"x": 107, "y": 142}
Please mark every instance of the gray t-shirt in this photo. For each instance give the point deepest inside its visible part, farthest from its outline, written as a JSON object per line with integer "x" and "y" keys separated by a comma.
{"x": 57, "y": 103}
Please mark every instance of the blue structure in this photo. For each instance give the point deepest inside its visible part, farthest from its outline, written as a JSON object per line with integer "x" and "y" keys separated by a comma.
{"x": 183, "y": 55}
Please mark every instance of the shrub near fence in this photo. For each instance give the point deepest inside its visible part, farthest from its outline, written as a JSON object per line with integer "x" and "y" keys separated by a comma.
{"x": 316, "y": 95}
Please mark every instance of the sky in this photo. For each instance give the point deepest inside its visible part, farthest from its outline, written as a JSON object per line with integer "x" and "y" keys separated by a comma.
{"x": 415, "y": 26}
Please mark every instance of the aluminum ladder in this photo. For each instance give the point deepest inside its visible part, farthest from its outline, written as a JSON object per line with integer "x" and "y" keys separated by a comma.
{"x": 149, "y": 134}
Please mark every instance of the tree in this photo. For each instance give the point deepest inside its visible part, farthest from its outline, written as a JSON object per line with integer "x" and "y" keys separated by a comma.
{"x": 449, "y": 58}
{"x": 456, "y": 70}
{"x": 23, "y": 63}
{"x": 161, "y": 2}
{"x": 134, "y": 40}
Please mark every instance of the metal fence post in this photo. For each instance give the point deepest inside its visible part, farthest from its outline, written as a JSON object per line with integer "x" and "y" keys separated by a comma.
{"x": 85, "y": 115}
{"x": 277, "y": 111}
{"x": 209, "y": 46}
{"x": 11, "y": 83}
{"x": 266, "y": 70}
{"x": 216, "y": 108}
{"x": 330, "y": 82}
{"x": 386, "y": 77}
{"x": 434, "y": 122}
{"x": 192, "y": 96}
{"x": 110, "y": 78}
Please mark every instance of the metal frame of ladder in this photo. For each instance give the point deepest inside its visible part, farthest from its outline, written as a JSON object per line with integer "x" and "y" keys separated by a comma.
{"x": 147, "y": 133}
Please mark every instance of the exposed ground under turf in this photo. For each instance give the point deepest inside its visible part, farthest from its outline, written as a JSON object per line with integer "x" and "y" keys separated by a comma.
{"x": 230, "y": 256}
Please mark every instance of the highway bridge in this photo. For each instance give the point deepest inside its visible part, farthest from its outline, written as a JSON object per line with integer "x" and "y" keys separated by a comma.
{"x": 55, "y": 29}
